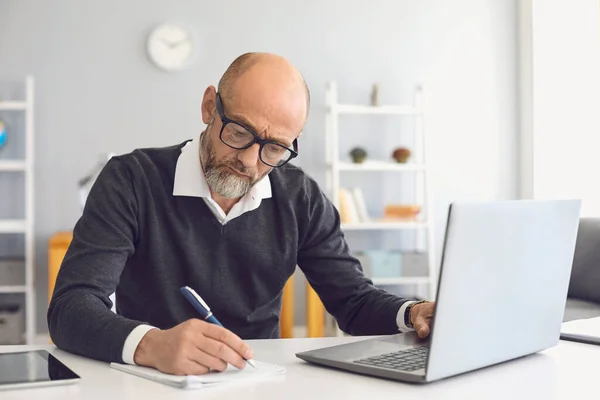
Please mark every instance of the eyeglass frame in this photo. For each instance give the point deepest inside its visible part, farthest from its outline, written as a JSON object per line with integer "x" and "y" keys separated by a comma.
{"x": 257, "y": 139}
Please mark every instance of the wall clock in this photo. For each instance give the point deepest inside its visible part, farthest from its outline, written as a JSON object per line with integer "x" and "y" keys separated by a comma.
{"x": 172, "y": 47}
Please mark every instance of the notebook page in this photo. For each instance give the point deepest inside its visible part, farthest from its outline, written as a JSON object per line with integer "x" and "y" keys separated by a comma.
{"x": 231, "y": 374}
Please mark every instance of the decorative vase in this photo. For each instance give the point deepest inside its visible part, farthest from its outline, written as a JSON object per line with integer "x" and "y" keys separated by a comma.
{"x": 401, "y": 155}
{"x": 358, "y": 155}
{"x": 375, "y": 95}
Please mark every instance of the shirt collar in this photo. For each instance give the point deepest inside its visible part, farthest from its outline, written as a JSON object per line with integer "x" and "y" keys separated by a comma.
{"x": 190, "y": 180}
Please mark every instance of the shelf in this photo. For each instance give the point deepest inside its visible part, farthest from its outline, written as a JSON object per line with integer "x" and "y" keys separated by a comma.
{"x": 12, "y": 165}
{"x": 385, "y": 110}
{"x": 12, "y": 225}
{"x": 13, "y": 289}
{"x": 401, "y": 280}
{"x": 22, "y": 222}
{"x": 379, "y": 166}
{"x": 363, "y": 226}
{"x": 13, "y": 105}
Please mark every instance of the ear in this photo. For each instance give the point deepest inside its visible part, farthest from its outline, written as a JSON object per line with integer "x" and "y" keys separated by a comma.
{"x": 209, "y": 104}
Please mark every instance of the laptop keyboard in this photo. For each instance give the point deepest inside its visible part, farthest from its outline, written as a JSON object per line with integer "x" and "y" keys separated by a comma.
{"x": 405, "y": 360}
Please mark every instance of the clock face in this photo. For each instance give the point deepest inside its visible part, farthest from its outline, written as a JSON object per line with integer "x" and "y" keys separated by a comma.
{"x": 171, "y": 47}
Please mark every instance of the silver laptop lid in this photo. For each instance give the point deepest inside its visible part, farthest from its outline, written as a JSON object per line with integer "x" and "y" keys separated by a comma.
{"x": 503, "y": 283}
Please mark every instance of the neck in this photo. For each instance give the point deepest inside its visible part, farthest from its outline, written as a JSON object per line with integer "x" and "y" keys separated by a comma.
{"x": 223, "y": 202}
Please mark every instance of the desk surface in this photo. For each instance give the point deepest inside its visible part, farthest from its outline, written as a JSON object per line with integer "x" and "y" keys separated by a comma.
{"x": 567, "y": 371}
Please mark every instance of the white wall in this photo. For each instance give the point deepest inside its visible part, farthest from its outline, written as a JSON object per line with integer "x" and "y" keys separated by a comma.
{"x": 97, "y": 93}
{"x": 565, "y": 82}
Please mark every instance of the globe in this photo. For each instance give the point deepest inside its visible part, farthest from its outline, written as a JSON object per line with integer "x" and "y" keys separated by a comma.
{"x": 2, "y": 134}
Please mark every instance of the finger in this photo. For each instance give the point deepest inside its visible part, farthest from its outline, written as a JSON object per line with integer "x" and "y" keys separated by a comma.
{"x": 199, "y": 336}
{"x": 223, "y": 335}
{"x": 428, "y": 311}
{"x": 204, "y": 359}
{"x": 421, "y": 327}
{"x": 223, "y": 352}
{"x": 424, "y": 310}
{"x": 232, "y": 340}
{"x": 190, "y": 367}
{"x": 195, "y": 368}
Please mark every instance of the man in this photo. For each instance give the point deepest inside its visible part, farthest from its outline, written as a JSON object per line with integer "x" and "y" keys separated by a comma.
{"x": 225, "y": 214}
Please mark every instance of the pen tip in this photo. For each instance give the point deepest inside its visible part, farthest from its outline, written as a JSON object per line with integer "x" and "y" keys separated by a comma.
{"x": 251, "y": 363}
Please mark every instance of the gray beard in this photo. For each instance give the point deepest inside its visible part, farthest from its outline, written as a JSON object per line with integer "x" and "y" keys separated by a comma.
{"x": 227, "y": 185}
{"x": 221, "y": 181}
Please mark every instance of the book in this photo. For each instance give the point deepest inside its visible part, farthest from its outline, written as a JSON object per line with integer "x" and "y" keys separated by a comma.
{"x": 230, "y": 375}
{"x": 348, "y": 212}
{"x": 582, "y": 330}
{"x": 359, "y": 202}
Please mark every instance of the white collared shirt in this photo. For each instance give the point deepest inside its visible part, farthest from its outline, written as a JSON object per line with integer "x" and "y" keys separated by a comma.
{"x": 190, "y": 181}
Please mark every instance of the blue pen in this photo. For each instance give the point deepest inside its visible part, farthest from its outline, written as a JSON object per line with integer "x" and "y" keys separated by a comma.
{"x": 203, "y": 308}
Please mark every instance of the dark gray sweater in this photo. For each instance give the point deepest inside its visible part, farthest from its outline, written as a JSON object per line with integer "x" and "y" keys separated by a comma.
{"x": 139, "y": 240}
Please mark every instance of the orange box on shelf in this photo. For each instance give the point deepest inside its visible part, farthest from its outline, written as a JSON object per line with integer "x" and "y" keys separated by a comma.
{"x": 402, "y": 211}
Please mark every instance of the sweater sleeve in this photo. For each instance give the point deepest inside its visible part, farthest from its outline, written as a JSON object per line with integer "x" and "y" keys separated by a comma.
{"x": 80, "y": 319}
{"x": 337, "y": 277}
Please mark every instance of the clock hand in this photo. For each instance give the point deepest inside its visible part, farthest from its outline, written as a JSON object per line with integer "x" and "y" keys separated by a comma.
{"x": 173, "y": 45}
{"x": 166, "y": 42}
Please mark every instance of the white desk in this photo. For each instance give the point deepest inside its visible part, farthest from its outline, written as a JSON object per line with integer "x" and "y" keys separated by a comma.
{"x": 567, "y": 371}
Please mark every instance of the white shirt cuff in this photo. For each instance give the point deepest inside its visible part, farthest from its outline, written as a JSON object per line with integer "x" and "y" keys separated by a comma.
{"x": 132, "y": 342}
{"x": 400, "y": 317}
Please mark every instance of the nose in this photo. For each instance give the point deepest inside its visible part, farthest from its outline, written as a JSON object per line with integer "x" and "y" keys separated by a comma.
{"x": 250, "y": 157}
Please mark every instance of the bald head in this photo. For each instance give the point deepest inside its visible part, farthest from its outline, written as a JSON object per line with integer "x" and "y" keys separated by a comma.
{"x": 267, "y": 70}
{"x": 261, "y": 95}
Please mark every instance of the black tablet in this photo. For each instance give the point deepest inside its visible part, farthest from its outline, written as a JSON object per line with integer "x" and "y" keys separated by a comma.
{"x": 32, "y": 369}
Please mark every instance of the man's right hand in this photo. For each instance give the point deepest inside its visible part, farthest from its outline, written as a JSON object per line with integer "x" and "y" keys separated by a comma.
{"x": 193, "y": 347}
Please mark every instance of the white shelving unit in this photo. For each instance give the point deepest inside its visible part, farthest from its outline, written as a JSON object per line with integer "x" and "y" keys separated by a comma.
{"x": 336, "y": 167}
{"x": 13, "y": 225}
{"x": 25, "y": 225}
{"x": 13, "y": 289}
{"x": 13, "y": 166}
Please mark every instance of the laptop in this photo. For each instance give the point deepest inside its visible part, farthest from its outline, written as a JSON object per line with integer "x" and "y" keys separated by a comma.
{"x": 501, "y": 294}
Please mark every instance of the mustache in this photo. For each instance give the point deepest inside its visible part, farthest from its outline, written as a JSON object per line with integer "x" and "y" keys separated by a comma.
{"x": 237, "y": 165}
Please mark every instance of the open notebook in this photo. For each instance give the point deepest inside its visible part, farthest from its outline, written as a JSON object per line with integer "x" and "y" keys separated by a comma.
{"x": 231, "y": 374}
{"x": 582, "y": 330}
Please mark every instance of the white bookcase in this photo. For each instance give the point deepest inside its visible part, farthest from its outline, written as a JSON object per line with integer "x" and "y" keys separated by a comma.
{"x": 336, "y": 167}
{"x": 23, "y": 225}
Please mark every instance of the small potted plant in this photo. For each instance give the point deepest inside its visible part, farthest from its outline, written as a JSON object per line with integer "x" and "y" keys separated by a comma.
{"x": 401, "y": 155}
{"x": 358, "y": 155}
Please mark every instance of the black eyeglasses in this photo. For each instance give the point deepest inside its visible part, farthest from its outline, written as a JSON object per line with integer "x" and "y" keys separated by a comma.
{"x": 239, "y": 137}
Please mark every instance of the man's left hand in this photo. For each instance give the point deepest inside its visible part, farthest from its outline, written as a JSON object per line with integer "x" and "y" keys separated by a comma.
{"x": 420, "y": 318}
